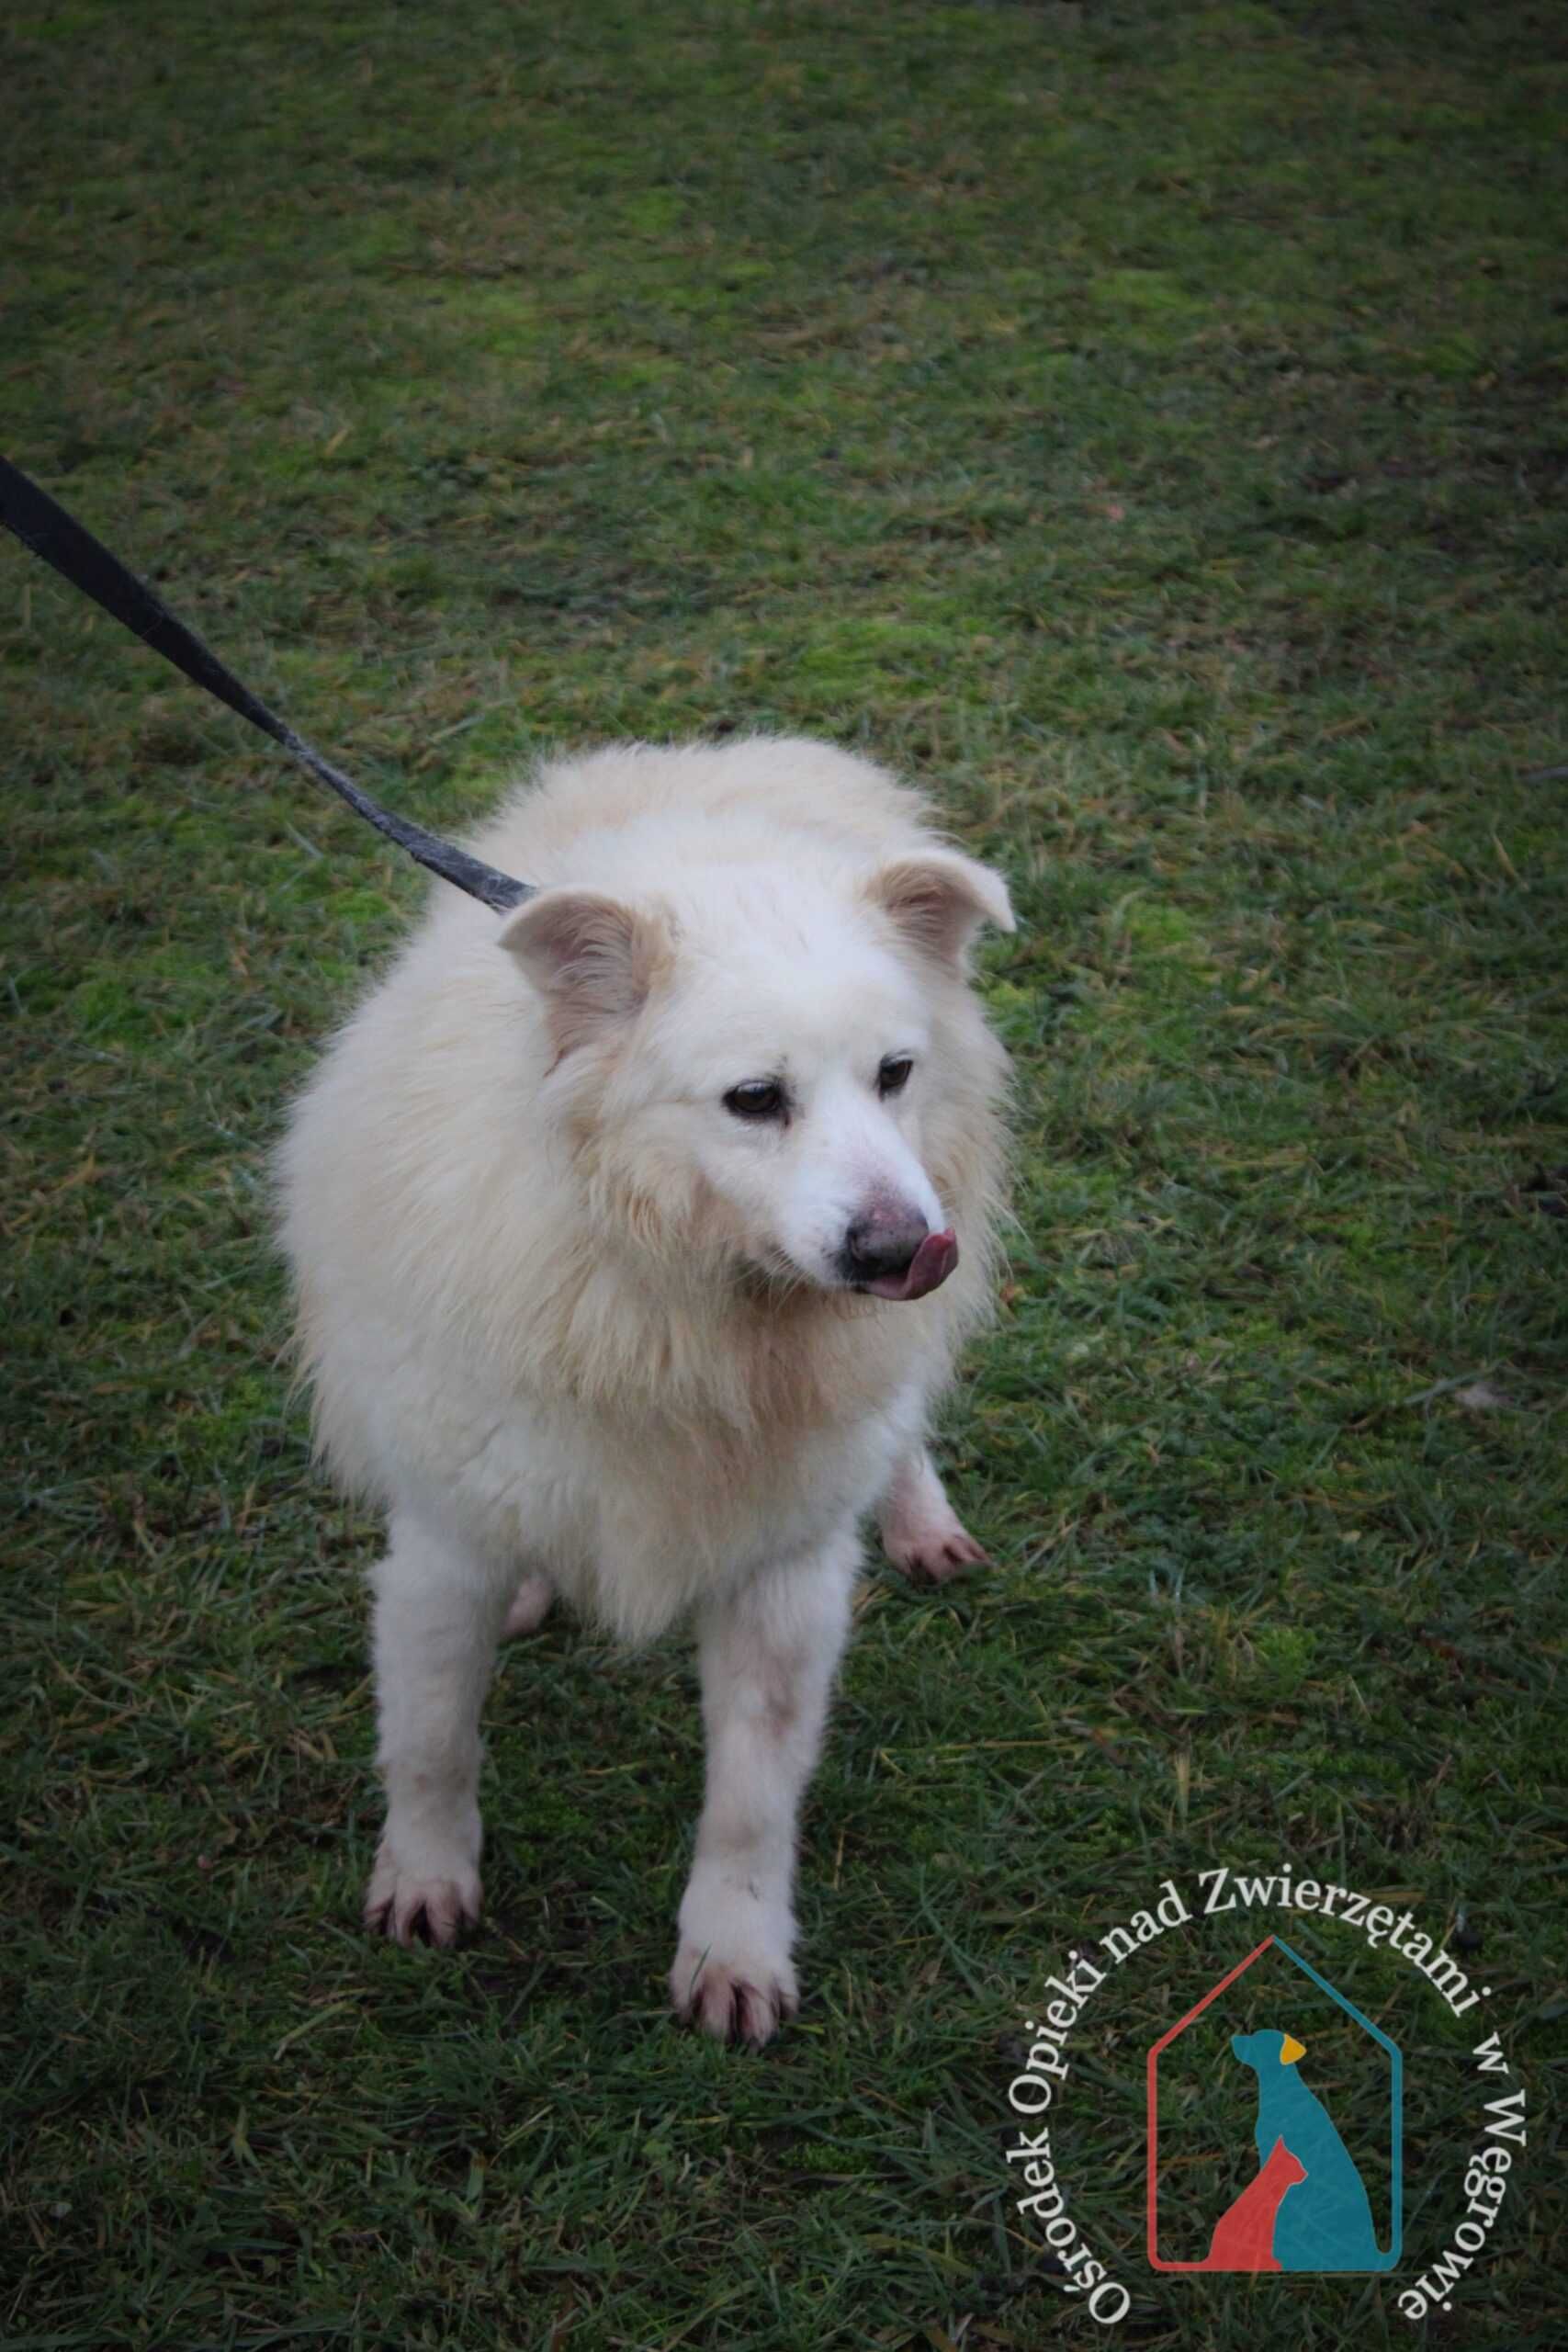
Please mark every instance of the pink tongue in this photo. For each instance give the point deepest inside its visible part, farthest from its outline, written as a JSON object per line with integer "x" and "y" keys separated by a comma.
{"x": 932, "y": 1263}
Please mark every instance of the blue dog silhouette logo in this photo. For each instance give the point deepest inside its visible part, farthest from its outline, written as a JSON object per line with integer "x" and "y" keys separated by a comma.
{"x": 1323, "y": 2218}
{"x": 1307, "y": 2206}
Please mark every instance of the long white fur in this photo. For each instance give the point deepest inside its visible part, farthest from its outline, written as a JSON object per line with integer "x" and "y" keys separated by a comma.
{"x": 577, "y": 1327}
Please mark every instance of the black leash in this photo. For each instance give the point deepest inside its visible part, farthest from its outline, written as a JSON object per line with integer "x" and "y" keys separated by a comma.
{"x": 60, "y": 540}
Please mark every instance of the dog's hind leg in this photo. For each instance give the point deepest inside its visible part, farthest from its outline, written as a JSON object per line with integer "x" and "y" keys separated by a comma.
{"x": 438, "y": 1617}
{"x": 769, "y": 1654}
{"x": 530, "y": 1605}
{"x": 922, "y": 1532}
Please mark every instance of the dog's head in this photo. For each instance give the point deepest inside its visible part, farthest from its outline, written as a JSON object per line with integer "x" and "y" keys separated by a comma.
{"x": 750, "y": 1060}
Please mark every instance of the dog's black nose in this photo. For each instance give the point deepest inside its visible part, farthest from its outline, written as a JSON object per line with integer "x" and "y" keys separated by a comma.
{"x": 877, "y": 1245}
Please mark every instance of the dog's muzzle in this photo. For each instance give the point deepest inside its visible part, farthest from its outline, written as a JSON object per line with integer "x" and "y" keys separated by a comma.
{"x": 898, "y": 1260}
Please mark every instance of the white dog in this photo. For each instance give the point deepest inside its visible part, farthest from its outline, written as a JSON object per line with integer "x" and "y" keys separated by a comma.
{"x": 626, "y": 1230}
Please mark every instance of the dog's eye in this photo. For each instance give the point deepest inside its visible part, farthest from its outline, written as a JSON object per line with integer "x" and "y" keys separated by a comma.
{"x": 894, "y": 1075}
{"x": 758, "y": 1098}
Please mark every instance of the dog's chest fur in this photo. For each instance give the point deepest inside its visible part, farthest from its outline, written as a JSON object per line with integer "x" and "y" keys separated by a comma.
{"x": 636, "y": 1515}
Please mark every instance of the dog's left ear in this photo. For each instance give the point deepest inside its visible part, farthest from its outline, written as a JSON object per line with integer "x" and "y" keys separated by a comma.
{"x": 939, "y": 899}
{"x": 591, "y": 958}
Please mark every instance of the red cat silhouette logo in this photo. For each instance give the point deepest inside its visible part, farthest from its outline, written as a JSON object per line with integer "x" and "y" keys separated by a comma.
{"x": 1309, "y": 2204}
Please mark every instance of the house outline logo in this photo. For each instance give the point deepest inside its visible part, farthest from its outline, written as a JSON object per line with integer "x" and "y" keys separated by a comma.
{"x": 1246, "y": 2237}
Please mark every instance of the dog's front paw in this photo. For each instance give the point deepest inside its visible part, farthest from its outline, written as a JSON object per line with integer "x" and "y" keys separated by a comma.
{"x": 744, "y": 1997}
{"x": 732, "y": 1973}
{"x": 436, "y": 1900}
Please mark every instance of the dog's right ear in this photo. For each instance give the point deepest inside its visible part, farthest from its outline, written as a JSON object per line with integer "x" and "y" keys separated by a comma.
{"x": 593, "y": 959}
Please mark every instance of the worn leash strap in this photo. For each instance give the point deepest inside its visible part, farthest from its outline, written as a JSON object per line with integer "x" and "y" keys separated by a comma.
{"x": 60, "y": 540}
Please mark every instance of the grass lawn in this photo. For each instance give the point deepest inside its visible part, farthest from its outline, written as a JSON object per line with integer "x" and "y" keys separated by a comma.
{"x": 1144, "y": 424}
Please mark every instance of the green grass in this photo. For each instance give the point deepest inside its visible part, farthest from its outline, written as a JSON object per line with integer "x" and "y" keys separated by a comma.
{"x": 1145, "y": 424}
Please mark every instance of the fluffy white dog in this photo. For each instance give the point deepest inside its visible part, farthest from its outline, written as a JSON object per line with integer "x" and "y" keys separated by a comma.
{"x": 626, "y": 1230}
